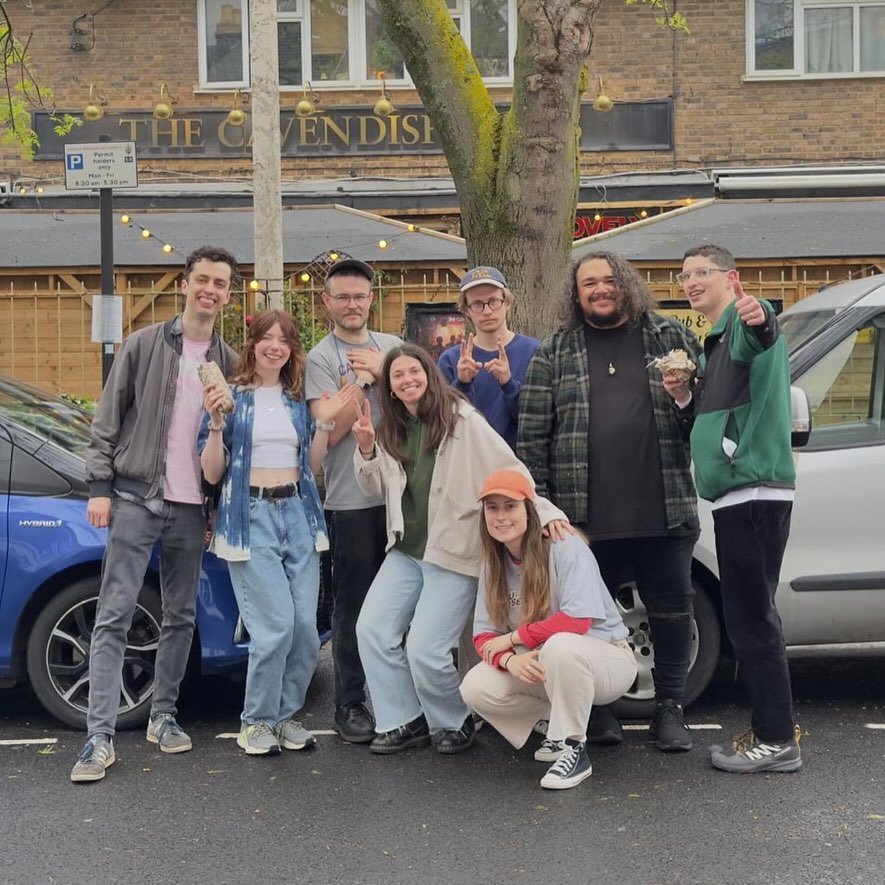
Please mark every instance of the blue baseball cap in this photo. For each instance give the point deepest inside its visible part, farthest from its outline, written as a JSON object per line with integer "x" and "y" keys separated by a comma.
{"x": 483, "y": 276}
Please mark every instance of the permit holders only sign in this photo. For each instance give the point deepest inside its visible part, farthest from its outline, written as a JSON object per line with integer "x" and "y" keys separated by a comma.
{"x": 104, "y": 165}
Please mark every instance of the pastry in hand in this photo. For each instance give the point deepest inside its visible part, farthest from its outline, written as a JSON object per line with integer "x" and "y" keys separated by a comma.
{"x": 210, "y": 373}
{"x": 676, "y": 361}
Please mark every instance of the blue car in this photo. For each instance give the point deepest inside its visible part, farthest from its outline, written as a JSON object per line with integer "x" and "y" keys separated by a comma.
{"x": 50, "y": 565}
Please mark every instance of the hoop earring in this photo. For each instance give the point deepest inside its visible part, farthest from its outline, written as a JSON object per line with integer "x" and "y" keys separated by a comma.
{"x": 392, "y": 395}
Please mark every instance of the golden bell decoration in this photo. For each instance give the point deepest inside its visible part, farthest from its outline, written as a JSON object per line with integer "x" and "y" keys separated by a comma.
{"x": 307, "y": 104}
{"x": 236, "y": 116}
{"x": 384, "y": 106}
{"x": 165, "y": 106}
{"x": 94, "y": 109}
{"x": 602, "y": 102}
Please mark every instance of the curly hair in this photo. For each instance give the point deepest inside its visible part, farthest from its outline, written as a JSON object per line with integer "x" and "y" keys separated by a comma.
{"x": 437, "y": 408}
{"x": 292, "y": 373}
{"x": 636, "y": 299}
{"x": 215, "y": 254}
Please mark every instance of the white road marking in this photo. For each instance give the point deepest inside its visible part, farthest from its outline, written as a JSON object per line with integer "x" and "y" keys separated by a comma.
{"x": 697, "y": 726}
{"x": 23, "y": 742}
{"x": 233, "y": 735}
{"x": 876, "y": 726}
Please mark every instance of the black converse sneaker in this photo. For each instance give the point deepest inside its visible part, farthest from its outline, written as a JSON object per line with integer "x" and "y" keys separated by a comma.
{"x": 572, "y": 767}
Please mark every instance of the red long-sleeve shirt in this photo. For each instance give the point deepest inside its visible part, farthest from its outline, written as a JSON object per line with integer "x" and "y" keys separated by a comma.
{"x": 533, "y": 635}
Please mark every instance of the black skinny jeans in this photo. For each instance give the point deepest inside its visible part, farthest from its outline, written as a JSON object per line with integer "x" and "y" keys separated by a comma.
{"x": 750, "y": 543}
{"x": 357, "y": 539}
{"x": 661, "y": 567}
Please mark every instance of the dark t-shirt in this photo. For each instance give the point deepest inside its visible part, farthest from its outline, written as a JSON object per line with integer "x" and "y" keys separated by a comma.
{"x": 625, "y": 490}
{"x": 419, "y": 466}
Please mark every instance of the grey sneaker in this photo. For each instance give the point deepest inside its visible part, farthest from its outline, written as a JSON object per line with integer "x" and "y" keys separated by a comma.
{"x": 168, "y": 734}
{"x": 97, "y": 755}
{"x": 549, "y": 751}
{"x": 258, "y": 740}
{"x": 572, "y": 767}
{"x": 759, "y": 756}
{"x": 291, "y": 735}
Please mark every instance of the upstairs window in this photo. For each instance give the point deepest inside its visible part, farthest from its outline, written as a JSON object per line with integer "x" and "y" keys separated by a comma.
{"x": 815, "y": 38}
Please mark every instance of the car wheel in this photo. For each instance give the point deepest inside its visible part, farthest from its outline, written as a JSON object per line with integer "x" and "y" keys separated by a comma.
{"x": 58, "y": 655}
{"x": 639, "y": 701}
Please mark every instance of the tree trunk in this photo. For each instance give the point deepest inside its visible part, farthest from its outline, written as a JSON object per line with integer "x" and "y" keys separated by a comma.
{"x": 516, "y": 172}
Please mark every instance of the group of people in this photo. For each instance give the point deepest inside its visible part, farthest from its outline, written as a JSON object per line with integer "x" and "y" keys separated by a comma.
{"x": 463, "y": 493}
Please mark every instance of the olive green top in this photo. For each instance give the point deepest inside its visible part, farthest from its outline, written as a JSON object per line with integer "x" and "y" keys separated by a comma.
{"x": 418, "y": 465}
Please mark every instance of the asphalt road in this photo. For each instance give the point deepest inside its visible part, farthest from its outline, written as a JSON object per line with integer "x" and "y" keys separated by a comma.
{"x": 337, "y": 814}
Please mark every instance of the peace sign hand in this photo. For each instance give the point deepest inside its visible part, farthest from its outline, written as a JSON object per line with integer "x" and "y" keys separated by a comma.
{"x": 363, "y": 430}
{"x": 468, "y": 367}
{"x": 500, "y": 365}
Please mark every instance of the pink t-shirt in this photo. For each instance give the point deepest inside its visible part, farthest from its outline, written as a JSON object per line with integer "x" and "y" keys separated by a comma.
{"x": 182, "y": 462}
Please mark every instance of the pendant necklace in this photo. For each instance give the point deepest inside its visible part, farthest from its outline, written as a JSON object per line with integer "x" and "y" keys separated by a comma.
{"x": 614, "y": 355}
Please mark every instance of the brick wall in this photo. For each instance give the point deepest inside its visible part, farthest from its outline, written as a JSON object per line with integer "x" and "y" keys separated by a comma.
{"x": 720, "y": 119}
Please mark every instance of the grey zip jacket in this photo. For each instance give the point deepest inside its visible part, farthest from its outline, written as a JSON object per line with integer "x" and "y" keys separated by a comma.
{"x": 128, "y": 446}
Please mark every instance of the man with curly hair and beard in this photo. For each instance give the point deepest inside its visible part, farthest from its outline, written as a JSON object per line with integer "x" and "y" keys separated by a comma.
{"x": 600, "y": 436}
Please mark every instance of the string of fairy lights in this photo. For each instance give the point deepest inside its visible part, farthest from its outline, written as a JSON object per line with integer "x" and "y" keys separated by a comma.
{"x": 257, "y": 285}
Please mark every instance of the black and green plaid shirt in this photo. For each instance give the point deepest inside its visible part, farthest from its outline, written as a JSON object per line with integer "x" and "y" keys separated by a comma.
{"x": 554, "y": 416}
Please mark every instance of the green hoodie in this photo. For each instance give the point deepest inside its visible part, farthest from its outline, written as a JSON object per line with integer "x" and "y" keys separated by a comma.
{"x": 744, "y": 397}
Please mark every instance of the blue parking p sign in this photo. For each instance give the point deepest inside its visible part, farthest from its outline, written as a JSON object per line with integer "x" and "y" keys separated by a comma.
{"x": 74, "y": 161}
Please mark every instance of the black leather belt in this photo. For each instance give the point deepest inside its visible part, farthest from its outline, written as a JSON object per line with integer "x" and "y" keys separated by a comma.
{"x": 275, "y": 492}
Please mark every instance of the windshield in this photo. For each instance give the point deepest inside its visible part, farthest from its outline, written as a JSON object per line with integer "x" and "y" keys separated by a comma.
{"x": 802, "y": 326}
{"x": 45, "y": 415}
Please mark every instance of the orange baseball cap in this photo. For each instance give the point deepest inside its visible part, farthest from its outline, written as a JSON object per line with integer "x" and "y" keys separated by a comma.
{"x": 510, "y": 483}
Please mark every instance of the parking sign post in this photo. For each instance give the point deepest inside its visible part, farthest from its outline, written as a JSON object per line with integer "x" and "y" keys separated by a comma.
{"x": 103, "y": 167}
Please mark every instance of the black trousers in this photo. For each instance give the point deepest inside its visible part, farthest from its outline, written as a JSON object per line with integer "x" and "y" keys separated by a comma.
{"x": 750, "y": 543}
{"x": 661, "y": 567}
{"x": 357, "y": 539}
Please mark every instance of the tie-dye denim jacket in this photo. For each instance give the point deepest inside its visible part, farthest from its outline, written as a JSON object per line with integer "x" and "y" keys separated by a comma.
{"x": 231, "y": 538}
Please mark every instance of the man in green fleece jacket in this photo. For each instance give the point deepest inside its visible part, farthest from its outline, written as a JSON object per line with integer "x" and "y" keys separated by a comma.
{"x": 739, "y": 420}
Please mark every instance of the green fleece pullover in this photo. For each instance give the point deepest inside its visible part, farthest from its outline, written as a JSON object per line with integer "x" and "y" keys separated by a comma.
{"x": 743, "y": 404}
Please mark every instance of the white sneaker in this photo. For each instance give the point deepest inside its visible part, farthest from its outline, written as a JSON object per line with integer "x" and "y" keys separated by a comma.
{"x": 549, "y": 751}
{"x": 258, "y": 740}
{"x": 292, "y": 736}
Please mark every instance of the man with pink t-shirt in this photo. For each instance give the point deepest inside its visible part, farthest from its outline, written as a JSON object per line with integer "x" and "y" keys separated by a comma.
{"x": 145, "y": 487}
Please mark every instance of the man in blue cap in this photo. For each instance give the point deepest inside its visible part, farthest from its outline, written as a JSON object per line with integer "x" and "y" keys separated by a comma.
{"x": 490, "y": 365}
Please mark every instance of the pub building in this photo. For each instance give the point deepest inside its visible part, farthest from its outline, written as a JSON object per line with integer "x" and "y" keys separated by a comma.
{"x": 744, "y": 107}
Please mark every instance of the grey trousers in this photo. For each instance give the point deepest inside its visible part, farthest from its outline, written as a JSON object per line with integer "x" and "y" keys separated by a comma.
{"x": 133, "y": 532}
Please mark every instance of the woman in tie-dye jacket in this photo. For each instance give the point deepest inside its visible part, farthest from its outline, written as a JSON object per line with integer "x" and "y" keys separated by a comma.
{"x": 270, "y": 525}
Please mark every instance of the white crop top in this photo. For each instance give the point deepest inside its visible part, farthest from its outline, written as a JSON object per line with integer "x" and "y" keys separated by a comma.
{"x": 275, "y": 441}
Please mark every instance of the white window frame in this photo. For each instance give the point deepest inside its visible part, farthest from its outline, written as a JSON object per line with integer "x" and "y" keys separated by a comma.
{"x": 359, "y": 76}
{"x": 202, "y": 53}
{"x": 797, "y": 72}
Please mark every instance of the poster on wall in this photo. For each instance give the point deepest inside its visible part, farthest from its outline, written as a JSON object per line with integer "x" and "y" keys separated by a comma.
{"x": 435, "y": 326}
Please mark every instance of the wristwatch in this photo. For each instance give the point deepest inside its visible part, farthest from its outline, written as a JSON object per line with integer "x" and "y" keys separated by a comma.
{"x": 365, "y": 385}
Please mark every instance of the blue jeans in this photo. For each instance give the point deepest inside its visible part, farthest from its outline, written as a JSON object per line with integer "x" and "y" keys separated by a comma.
{"x": 277, "y": 590}
{"x": 134, "y": 530}
{"x": 433, "y": 604}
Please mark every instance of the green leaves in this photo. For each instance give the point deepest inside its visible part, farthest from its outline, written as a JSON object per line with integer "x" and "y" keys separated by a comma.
{"x": 671, "y": 19}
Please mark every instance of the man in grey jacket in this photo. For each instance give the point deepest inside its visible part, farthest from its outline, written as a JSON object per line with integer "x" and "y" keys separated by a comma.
{"x": 145, "y": 487}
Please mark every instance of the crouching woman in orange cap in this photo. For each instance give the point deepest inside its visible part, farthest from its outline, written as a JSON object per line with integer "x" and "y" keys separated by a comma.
{"x": 551, "y": 639}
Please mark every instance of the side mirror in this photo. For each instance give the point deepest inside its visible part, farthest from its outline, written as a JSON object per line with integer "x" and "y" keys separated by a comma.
{"x": 800, "y": 410}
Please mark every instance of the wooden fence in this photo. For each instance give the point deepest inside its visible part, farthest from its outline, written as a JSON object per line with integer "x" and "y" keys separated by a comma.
{"x": 45, "y": 336}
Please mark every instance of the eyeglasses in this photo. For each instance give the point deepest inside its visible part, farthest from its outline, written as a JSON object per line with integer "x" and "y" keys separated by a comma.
{"x": 480, "y": 306}
{"x": 346, "y": 299}
{"x": 701, "y": 273}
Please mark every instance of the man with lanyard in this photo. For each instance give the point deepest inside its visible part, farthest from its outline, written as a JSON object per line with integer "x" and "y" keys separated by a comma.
{"x": 349, "y": 356}
{"x": 489, "y": 367}
{"x": 144, "y": 485}
{"x": 600, "y": 436}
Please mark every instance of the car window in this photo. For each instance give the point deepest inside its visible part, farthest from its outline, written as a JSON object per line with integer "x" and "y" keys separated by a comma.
{"x": 802, "y": 326}
{"x": 845, "y": 391}
{"x": 46, "y": 416}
